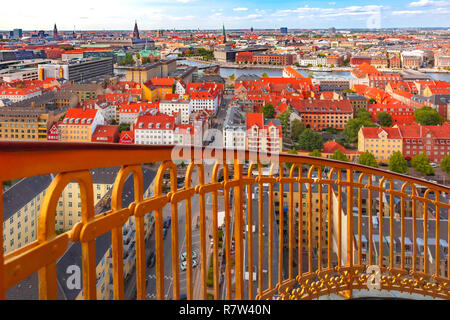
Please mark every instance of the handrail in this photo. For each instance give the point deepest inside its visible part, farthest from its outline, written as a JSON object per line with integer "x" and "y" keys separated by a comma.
{"x": 72, "y": 161}
{"x": 19, "y": 159}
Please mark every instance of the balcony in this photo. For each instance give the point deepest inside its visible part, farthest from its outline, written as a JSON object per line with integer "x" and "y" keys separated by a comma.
{"x": 404, "y": 235}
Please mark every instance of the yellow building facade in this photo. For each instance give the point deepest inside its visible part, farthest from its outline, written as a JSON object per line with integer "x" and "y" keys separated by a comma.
{"x": 381, "y": 142}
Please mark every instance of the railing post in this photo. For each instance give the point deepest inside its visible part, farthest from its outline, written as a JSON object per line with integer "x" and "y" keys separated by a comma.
{"x": 348, "y": 293}
{"x": 238, "y": 239}
{"x": 2, "y": 273}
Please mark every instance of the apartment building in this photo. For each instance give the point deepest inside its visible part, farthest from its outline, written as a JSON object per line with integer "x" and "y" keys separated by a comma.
{"x": 263, "y": 135}
{"x": 129, "y": 112}
{"x": 22, "y": 214}
{"x": 434, "y": 141}
{"x": 302, "y": 207}
{"x": 78, "y": 70}
{"x": 381, "y": 80}
{"x": 400, "y": 113}
{"x": 177, "y": 105}
{"x": 154, "y": 129}
{"x": 322, "y": 114}
{"x": 79, "y": 124}
{"x": 234, "y": 129}
{"x": 157, "y": 88}
{"x": 381, "y": 142}
{"x": 19, "y": 94}
{"x": 28, "y": 124}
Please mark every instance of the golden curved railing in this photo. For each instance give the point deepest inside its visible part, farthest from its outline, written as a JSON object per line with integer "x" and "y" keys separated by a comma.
{"x": 349, "y": 216}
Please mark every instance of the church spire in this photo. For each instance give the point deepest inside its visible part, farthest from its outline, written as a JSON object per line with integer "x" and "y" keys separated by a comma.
{"x": 136, "y": 31}
{"x": 55, "y": 32}
{"x": 224, "y": 34}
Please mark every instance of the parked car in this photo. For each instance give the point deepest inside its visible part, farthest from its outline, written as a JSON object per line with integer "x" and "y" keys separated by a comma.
{"x": 184, "y": 265}
{"x": 151, "y": 260}
{"x": 434, "y": 165}
{"x": 184, "y": 255}
{"x": 167, "y": 222}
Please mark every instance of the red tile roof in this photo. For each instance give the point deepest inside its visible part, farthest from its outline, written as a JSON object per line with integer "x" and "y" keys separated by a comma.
{"x": 127, "y": 137}
{"x": 322, "y": 106}
{"x": 373, "y": 132}
{"x": 79, "y": 116}
{"x": 110, "y": 132}
{"x": 159, "y": 121}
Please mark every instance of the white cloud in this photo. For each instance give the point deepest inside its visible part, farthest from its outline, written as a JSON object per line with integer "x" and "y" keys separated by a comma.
{"x": 421, "y": 3}
{"x": 428, "y": 3}
{"x": 407, "y": 12}
{"x": 240, "y": 9}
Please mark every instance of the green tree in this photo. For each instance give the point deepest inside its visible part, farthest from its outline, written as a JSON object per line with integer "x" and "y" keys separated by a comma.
{"x": 372, "y": 101}
{"x": 368, "y": 159}
{"x": 264, "y": 75}
{"x": 427, "y": 116}
{"x": 296, "y": 129}
{"x": 422, "y": 164}
{"x": 311, "y": 75}
{"x": 138, "y": 55}
{"x": 384, "y": 119}
{"x": 397, "y": 163}
{"x": 269, "y": 111}
{"x": 285, "y": 121}
{"x": 174, "y": 88}
{"x": 363, "y": 114}
{"x": 232, "y": 77}
{"x": 339, "y": 155}
{"x": 124, "y": 127}
{"x": 315, "y": 153}
{"x": 352, "y": 128}
{"x": 445, "y": 164}
{"x": 310, "y": 140}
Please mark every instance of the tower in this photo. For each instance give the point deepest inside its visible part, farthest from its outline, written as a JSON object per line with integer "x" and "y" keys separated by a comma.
{"x": 224, "y": 34}
{"x": 55, "y": 32}
{"x": 136, "y": 31}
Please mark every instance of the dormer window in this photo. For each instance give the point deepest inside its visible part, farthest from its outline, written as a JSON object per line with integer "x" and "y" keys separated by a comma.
{"x": 158, "y": 125}
{"x": 89, "y": 121}
{"x": 167, "y": 125}
{"x": 83, "y": 121}
{"x": 150, "y": 125}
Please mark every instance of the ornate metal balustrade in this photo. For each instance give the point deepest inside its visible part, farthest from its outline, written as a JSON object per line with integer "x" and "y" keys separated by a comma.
{"x": 365, "y": 218}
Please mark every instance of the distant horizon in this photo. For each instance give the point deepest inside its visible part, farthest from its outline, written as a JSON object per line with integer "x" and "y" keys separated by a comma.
{"x": 235, "y": 29}
{"x": 235, "y": 14}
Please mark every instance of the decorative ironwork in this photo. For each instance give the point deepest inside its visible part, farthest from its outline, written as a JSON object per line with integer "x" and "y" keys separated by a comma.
{"x": 334, "y": 263}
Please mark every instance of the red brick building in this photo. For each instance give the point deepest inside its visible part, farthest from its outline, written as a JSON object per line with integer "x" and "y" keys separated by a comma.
{"x": 433, "y": 140}
{"x": 358, "y": 60}
{"x": 335, "y": 60}
{"x": 395, "y": 61}
{"x": 322, "y": 114}
{"x": 268, "y": 58}
{"x": 381, "y": 80}
{"x": 411, "y": 62}
{"x": 242, "y": 57}
{"x": 400, "y": 113}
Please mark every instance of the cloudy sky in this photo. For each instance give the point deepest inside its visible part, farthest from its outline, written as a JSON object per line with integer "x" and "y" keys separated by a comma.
{"x": 210, "y": 14}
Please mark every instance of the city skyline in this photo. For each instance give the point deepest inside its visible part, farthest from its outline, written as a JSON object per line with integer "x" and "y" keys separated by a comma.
{"x": 200, "y": 14}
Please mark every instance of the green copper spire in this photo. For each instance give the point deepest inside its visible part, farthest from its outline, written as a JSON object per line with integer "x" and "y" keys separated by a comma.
{"x": 223, "y": 30}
